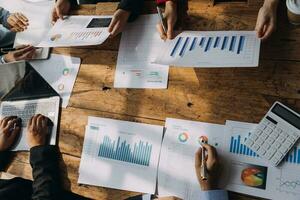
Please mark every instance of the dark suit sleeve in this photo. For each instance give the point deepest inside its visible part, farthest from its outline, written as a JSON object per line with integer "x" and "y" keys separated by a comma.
{"x": 133, "y": 6}
{"x": 45, "y": 171}
{"x": 5, "y": 157}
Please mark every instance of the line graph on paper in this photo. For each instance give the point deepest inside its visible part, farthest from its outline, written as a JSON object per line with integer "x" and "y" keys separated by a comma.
{"x": 288, "y": 182}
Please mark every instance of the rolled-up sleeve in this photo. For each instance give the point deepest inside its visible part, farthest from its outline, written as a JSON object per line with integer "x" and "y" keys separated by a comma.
{"x": 214, "y": 195}
{"x": 4, "y": 14}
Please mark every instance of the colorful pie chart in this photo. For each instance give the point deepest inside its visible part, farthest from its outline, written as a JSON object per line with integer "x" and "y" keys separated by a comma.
{"x": 253, "y": 177}
{"x": 183, "y": 137}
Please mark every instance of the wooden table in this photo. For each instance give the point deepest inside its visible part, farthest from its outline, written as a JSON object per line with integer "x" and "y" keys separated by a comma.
{"x": 208, "y": 95}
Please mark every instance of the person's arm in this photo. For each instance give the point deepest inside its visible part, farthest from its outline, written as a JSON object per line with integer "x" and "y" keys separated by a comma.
{"x": 267, "y": 19}
{"x": 43, "y": 160}
{"x": 132, "y": 6}
{"x": 209, "y": 186}
{"x": 4, "y": 14}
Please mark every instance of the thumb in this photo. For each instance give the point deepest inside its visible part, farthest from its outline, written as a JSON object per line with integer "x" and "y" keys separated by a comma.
{"x": 59, "y": 13}
{"x": 112, "y": 24}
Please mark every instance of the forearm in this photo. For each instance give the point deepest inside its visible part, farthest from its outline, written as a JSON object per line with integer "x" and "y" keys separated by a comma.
{"x": 44, "y": 162}
{"x": 271, "y": 3}
{"x": 132, "y": 6}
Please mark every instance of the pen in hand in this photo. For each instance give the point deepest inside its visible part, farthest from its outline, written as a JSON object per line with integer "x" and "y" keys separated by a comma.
{"x": 162, "y": 20}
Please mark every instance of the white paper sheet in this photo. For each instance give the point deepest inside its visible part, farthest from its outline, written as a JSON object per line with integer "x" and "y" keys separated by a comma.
{"x": 177, "y": 161}
{"x": 211, "y": 49}
{"x": 244, "y": 168}
{"x": 139, "y": 44}
{"x": 106, "y": 162}
{"x": 77, "y": 31}
{"x": 60, "y": 72}
{"x": 38, "y": 14}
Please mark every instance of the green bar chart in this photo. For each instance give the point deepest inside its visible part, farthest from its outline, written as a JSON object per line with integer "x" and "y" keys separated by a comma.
{"x": 121, "y": 150}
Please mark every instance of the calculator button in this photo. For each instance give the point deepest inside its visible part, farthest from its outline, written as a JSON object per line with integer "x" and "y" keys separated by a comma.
{"x": 259, "y": 141}
{"x": 266, "y": 146}
{"x": 291, "y": 139}
{"x": 261, "y": 126}
{"x": 270, "y": 140}
{"x": 272, "y": 126}
{"x": 265, "y": 121}
{"x": 261, "y": 151}
{"x": 296, "y": 135}
{"x": 281, "y": 139}
{"x": 287, "y": 144}
{"x": 283, "y": 149}
{"x": 284, "y": 134}
{"x": 277, "y": 157}
{"x": 270, "y": 153}
{"x": 276, "y": 145}
{"x": 257, "y": 132}
{"x": 274, "y": 134}
{"x": 279, "y": 130}
{"x": 268, "y": 130}
{"x": 263, "y": 136}
{"x": 255, "y": 147}
{"x": 249, "y": 142}
{"x": 254, "y": 137}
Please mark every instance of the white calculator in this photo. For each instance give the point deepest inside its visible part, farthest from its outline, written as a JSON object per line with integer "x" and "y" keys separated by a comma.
{"x": 276, "y": 133}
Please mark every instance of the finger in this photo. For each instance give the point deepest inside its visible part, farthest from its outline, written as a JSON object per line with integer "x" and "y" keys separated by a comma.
{"x": 116, "y": 30}
{"x": 27, "y": 56}
{"x": 10, "y": 125}
{"x": 22, "y": 20}
{"x": 198, "y": 158}
{"x": 54, "y": 15}
{"x": 22, "y": 46}
{"x": 211, "y": 152}
{"x": 16, "y": 132}
{"x": 260, "y": 27}
{"x": 40, "y": 120}
{"x": 7, "y": 119}
{"x": 269, "y": 30}
{"x": 35, "y": 122}
{"x": 21, "y": 52}
{"x": 170, "y": 32}
{"x": 59, "y": 13}
{"x": 16, "y": 22}
{"x": 161, "y": 31}
{"x": 112, "y": 24}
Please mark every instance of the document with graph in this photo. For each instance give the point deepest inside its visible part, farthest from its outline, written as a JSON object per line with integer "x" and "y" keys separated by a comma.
{"x": 121, "y": 155}
{"x": 77, "y": 31}
{"x": 249, "y": 174}
{"x": 211, "y": 49}
{"x": 177, "y": 160}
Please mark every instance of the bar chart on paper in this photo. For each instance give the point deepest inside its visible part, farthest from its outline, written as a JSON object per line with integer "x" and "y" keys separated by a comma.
{"x": 212, "y": 49}
{"x": 139, "y": 153}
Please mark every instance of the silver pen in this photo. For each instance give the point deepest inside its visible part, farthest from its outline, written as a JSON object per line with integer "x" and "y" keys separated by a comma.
{"x": 162, "y": 20}
{"x": 203, "y": 166}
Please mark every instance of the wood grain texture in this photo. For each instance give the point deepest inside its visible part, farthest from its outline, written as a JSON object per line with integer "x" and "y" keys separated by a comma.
{"x": 209, "y": 95}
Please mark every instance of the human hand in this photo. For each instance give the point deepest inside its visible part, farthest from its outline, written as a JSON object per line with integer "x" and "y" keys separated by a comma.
{"x": 266, "y": 19}
{"x": 10, "y": 128}
{"x": 170, "y": 16}
{"x": 37, "y": 130}
{"x": 61, "y": 8}
{"x": 24, "y": 52}
{"x": 118, "y": 22}
{"x": 17, "y": 22}
{"x": 212, "y": 166}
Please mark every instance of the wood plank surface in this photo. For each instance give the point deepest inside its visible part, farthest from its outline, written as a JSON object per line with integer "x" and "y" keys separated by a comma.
{"x": 210, "y": 95}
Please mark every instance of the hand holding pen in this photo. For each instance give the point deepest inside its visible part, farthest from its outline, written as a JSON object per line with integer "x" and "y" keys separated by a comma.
{"x": 167, "y": 20}
{"x": 207, "y": 167}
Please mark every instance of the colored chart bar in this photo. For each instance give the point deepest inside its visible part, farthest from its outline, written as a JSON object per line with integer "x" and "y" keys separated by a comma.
{"x": 237, "y": 147}
{"x": 202, "y": 42}
{"x": 293, "y": 156}
{"x": 224, "y": 44}
{"x": 184, "y": 46}
{"x": 119, "y": 150}
{"x": 217, "y": 41}
{"x": 232, "y": 43}
{"x": 193, "y": 44}
{"x": 208, "y": 44}
{"x": 241, "y": 44}
{"x": 176, "y": 46}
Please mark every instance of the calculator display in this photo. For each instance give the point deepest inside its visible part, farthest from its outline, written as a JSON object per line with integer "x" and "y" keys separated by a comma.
{"x": 287, "y": 115}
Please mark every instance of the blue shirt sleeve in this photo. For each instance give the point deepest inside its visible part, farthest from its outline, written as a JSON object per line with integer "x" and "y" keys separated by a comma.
{"x": 214, "y": 195}
{"x": 4, "y": 14}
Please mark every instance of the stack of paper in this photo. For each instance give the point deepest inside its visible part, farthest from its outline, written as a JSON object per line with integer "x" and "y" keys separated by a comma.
{"x": 139, "y": 45}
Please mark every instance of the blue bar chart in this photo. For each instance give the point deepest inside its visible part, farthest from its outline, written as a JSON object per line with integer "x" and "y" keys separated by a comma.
{"x": 293, "y": 156}
{"x": 137, "y": 153}
{"x": 234, "y": 44}
{"x": 237, "y": 146}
